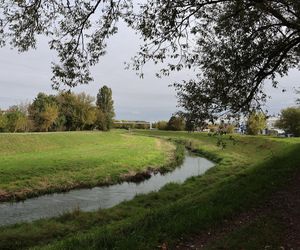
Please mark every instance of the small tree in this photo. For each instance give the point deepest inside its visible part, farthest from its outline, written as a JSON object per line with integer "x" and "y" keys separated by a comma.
{"x": 90, "y": 118}
{"x": 3, "y": 122}
{"x": 176, "y": 123}
{"x": 49, "y": 116}
{"x": 105, "y": 104}
{"x": 100, "y": 120}
{"x": 68, "y": 118}
{"x": 38, "y": 113}
{"x": 256, "y": 123}
{"x": 17, "y": 121}
{"x": 84, "y": 111}
{"x": 290, "y": 120}
{"x": 162, "y": 125}
{"x": 229, "y": 128}
{"x": 213, "y": 128}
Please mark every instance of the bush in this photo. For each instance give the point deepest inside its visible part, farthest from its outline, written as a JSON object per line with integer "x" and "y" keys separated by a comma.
{"x": 213, "y": 128}
{"x": 229, "y": 129}
{"x": 17, "y": 121}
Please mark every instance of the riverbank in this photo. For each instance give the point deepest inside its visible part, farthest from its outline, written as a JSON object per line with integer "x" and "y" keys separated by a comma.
{"x": 33, "y": 164}
{"x": 92, "y": 199}
{"x": 248, "y": 171}
{"x": 271, "y": 225}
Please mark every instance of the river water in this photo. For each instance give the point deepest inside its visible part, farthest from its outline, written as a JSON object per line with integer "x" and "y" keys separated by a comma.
{"x": 47, "y": 206}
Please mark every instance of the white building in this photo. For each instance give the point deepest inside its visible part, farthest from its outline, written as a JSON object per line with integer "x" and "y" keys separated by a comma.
{"x": 271, "y": 124}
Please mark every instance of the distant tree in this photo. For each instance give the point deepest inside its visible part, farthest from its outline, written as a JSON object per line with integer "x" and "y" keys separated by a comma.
{"x": 85, "y": 115}
{"x": 162, "y": 125}
{"x": 256, "y": 123}
{"x": 213, "y": 128}
{"x": 101, "y": 120}
{"x": 190, "y": 125}
{"x": 49, "y": 116}
{"x": 17, "y": 121}
{"x": 76, "y": 111}
{"x": 105, "y": 103}
{"x": 229, "y": 128}
{"x": 37, "y": 111}
{"x": 290, "y": 120}
{"x": 3, "y": 122}
{"x": 90, "y": 118}
{"x": 142, "y": 126}
{"x": 176, "y": 123}
{"x": 225, "y": 128}
{"x": 67, "y": 112}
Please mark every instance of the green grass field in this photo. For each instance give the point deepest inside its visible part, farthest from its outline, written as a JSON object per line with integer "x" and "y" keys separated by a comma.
{"x": 248, "y": 171}
{"x": 37, "y": 163}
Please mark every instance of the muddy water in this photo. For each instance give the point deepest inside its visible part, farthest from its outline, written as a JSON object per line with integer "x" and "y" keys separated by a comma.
{"x": 99, "y": 197}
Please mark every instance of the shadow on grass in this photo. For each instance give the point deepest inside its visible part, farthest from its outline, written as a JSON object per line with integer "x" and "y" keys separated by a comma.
{"x": 228, "y": 194}
{"x": 149, "y": 220}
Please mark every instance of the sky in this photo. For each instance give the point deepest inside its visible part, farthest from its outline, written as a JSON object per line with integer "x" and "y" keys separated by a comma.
{"x": 24, "y": 75}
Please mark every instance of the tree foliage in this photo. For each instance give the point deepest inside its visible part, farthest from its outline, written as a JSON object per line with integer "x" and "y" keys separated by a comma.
{"x": 64, "y": 111}
{"x": 40, "y": 111}
{"x": 290, "y": 120}
{"x": 176, "y": 123}
{"x": 17, "y": 120}
{"x": 77, "y": 31}
{"x": 105, "y": 105}
{"x": 3, "y": 121}
{"x": 162, "y": 125}
{"x": 76, "y": 111}
{"x": 234, "y": 45}
{"x": 256, "y": 123}
{"x": 49, "y": 116}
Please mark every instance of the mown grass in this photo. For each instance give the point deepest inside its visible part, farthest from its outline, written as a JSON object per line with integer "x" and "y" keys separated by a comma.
{"x": 248, "y": 170}
{"x": 32, "y": 164}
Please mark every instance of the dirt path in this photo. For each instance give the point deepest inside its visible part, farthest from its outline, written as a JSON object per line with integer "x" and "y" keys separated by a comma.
{"x": 285, "y": 204}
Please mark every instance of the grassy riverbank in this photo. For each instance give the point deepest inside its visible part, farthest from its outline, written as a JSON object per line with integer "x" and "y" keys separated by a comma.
{"x": 248, "y": 171}
{"x": 37, "y": 163}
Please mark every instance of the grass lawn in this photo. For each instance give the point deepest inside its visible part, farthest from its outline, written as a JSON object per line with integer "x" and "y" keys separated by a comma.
{"x": 248, "y": 171}
{"x": 32, "y": 164}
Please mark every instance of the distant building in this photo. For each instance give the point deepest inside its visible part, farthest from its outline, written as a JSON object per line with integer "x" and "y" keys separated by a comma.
{"x": 271, "y": 126}
{"x": 271, "y": 122}
{"x": 3, "y": 111}
{"x": 132, "y": 124}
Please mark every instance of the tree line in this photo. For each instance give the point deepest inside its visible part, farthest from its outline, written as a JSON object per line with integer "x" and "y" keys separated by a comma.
{"x": 68, "y": 111}
{"x": 255, "y": 123}
{"x": 65, "y": 111}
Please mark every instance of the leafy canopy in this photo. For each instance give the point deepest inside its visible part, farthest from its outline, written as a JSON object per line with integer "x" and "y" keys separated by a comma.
{"x": 256, "y": 123}
{"x": 105, "y": 106}
{"x": 176, "y": 123}
{"x": 234, "y": 45}
{"x": 290, "y": 120}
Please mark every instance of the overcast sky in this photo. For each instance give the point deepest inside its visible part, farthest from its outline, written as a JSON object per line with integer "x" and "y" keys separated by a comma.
{"x": 24, "y": 75}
